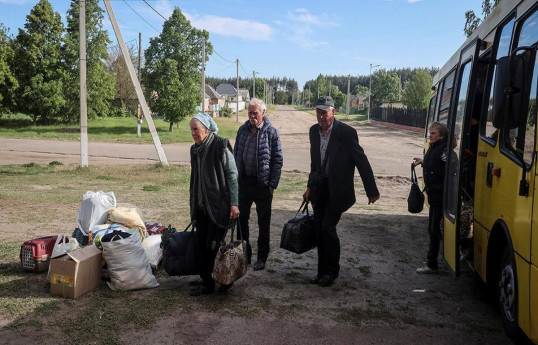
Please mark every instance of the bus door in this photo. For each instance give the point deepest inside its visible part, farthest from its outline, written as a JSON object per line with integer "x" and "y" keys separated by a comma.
{"x": 458, "y": 124}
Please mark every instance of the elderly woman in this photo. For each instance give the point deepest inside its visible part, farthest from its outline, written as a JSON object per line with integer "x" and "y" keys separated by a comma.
{"x": 213, "y": 195}
{"x": 434, "y": 175}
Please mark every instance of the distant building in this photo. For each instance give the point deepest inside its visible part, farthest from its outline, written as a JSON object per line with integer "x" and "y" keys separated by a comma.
{"x": 213, "y": 101}
{"x": 230, "y": 97}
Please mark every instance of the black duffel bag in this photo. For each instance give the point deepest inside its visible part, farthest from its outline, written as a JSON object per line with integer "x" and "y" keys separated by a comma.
{"x": 180, "y": 252}
{"x": 415, "y": 200}
{"x": 299, "y": 233}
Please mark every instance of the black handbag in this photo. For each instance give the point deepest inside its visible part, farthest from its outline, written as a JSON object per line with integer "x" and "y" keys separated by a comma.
{"x": 415, "y": 200}
{"x": 299, "y": 233}
{"x": 180, "y": 252}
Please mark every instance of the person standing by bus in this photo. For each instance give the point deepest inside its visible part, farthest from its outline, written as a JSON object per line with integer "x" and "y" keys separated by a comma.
{"x": 433, "y": 163}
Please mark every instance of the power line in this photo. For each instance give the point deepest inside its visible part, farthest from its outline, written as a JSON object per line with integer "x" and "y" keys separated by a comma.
{"x": 154, "y": 10}
{"x": 132, "y": 9}
{"x": 214, "y": 51}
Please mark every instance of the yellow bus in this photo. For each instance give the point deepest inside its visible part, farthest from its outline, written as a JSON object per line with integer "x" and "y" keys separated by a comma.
{"x": 486, "y": 95}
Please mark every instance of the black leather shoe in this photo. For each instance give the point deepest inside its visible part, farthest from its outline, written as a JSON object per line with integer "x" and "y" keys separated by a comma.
{"x": 201, "y": 290}
{"x": 326, "y": 280}
{"x": 315, "y": 280}
{"x": 259, "y": 265}
{"x": 225, "y": 288}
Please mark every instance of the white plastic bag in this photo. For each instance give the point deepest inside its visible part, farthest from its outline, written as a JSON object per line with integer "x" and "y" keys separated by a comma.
{"x": 127, "y": 264}
{"x": 152, "y": 247}
{"x": 94, "y": 209}
{"x": 62, "y": 247}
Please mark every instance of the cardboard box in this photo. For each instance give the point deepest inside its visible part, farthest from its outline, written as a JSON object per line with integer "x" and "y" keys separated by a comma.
{"x": 76, "y": 273}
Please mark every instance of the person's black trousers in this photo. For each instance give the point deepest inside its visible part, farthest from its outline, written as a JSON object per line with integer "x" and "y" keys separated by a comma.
{"x": 250, "y": 192}
{"x": 434, "y": 230}
{"x": 328, "y": 241}
{"x": 209, "y": 237}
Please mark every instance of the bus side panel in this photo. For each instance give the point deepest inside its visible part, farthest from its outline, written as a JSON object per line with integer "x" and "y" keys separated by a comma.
{"x": 449, "y": 243}
{"x": 480, "y": 243}
{"x": 533, "y": 334}
{"x": 523, "y": 282}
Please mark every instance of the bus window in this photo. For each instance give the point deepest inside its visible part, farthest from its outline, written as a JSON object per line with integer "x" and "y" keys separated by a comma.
{"x": 522, "y": 138}
{"x": 455, "y": 138}
{"x": 503, "y": 49}
{"x": 432, "y": 109}
{"x": 446, "y": 97}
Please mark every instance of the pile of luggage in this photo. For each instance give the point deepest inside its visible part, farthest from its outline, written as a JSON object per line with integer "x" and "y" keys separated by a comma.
{"x": 111, "y": 241}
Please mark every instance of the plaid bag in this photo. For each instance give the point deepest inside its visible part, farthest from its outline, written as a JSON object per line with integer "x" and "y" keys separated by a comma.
{"x": 231, "y": 260}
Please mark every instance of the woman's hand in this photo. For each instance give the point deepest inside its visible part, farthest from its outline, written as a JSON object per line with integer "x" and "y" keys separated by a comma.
{"x": 417, "y": 161}
{"x": 306, "y": 195}
{"x": 234, "y": 212}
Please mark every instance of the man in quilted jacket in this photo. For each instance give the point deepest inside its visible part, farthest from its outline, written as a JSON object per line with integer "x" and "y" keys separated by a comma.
{"x": 258, "y": 156}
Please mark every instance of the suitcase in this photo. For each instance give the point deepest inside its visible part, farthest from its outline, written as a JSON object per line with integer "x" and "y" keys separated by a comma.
{"x": 35, "y": 254}
{"x": 299, "y": 233}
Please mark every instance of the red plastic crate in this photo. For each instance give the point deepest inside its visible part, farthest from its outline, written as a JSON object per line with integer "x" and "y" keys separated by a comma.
{"x": 35, "y": 254}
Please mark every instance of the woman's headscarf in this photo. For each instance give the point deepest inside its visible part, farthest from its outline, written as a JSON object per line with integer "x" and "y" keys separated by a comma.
{"x": 207, "y": 121}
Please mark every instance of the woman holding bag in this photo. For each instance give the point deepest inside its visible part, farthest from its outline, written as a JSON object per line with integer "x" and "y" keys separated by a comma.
{"x": 213, "y": 195}
{"x": 433, "y": 167}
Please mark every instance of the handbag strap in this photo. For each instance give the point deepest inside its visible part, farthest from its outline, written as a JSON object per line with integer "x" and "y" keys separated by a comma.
{"x": 303, "y": 208}
{"x": 234, "y": 222}
{"x": 188, "y": 226}
{"x": 413, "y": 174}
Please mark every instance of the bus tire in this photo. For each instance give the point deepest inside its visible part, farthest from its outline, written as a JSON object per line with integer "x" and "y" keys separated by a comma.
{"x": 507, "y": 296}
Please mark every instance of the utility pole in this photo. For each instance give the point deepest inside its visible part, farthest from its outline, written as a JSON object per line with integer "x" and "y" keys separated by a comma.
{"x": 347, "y": 96}
{"x": 82, "y": 76}
{"x": 136, "y": 84}
{"x": 370, "y": 91}
{"x": 203, "y": 75}
{"x": 237, "y": 84}
{"x": 330, "y": 87}
{"x": 138, "y": 112}
{"x": 265, "y": 91}
{"x": 254, "y": 84}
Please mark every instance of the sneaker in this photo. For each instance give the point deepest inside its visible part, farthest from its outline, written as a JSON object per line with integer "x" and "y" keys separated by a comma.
{"x": 259, "y": 265}
{"x": 426, "y": 270}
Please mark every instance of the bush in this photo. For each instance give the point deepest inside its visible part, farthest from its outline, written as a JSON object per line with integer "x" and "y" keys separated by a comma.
{"x": 226, "y": 112}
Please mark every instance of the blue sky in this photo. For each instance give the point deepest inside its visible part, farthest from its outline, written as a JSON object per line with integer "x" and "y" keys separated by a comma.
{"x": 297, "y": 39}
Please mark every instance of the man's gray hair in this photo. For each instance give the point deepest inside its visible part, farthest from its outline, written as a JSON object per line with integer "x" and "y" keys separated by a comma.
{"x": 259, "y": 103}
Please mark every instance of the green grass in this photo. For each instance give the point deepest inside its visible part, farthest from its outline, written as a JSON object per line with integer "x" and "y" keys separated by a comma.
{"x": 111, "y": 129}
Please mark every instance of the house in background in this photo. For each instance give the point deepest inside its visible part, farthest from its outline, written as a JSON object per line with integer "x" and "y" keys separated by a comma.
{"x": 359, "y": 101}
{"x": 230, "y": 97}
{"x": 213, "y": 101}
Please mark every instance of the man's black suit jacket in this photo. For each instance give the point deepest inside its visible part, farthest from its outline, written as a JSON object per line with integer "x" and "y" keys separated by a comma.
{"x": 344, "y": 154}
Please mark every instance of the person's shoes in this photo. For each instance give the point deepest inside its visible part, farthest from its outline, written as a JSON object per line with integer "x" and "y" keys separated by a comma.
{"x": 315, "y": 280}
{"x": 225, "y": 288}
{"x": 201, "y": 290}
{"x": 326, "y": 280}
{"x": 259, "y": 265}
{"x": 426, "y": 270}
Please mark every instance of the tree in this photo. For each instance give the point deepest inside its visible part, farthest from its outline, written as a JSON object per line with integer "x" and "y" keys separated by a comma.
{"x": 385, "y": 87}
{"x": 360, "y": 90}
{"x": 8, "y": 81}
{"x": 472, "y": 20}
{"x": 338, "y": 96}
{"x": 281, "y": 97}
{"x": 171, "y": 75}
{"x": 125, "y": 91}
{"x": 259, "y": 88}
{"x": 99, "y": 81}
{"x": 37, "y": 64}
{"x": 417, "y": 91}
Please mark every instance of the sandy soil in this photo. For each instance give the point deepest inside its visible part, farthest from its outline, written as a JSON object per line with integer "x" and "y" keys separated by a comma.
{"x": 378, "y": 298}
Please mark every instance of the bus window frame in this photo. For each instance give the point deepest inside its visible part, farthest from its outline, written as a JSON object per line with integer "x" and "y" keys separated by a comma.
{"x": 493, "y": 50}
{"x": 508, "y": 150}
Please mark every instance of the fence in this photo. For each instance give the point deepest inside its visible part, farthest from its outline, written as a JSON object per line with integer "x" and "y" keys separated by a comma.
{"x": 407, "y": 117}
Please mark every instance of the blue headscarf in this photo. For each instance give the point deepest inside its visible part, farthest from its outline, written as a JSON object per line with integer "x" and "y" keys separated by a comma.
{"x": 207, "y": 121}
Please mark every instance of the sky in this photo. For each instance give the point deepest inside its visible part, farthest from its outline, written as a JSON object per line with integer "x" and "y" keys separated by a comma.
{"x": 297, "y": 39}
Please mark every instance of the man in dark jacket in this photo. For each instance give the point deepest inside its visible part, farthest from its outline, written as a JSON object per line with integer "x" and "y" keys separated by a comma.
{"x": 258, "y": 156}
{"x": 434, "y": 175}
{"x": 334, "y": 154}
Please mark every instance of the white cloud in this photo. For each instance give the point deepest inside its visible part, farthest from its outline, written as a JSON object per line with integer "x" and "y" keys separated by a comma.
{"x": 301, "y": 26}
{"x": 314, "y": 44}
{"x": 224, "y": 26}
{"x": 413, "y": 1}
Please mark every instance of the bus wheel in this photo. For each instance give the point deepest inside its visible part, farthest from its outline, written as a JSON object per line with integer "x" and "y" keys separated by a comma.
{"x": 507, "y": 295}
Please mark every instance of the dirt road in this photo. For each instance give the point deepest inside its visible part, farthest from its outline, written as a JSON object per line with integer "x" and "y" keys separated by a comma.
{"x": 293, "y": 127}
{"x": 377, "y": 299}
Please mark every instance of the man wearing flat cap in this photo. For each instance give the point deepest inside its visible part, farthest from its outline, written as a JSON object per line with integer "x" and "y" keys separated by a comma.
{"x": 334, "y": 154}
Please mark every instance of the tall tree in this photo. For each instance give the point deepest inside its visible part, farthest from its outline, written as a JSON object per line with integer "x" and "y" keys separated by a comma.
{"x": 172, "y": 73}
{"x": 416, "y": 94}
{"x": 37, "y": 64}
{"x": 385, "y": 87}
{"x": 99, "y": 81}
{"x": 125, "y": 92}
{"x": 360, "y": 90}
{"x": 8, "y": 81}
{"x": 338, "y": 96}
{"x": 472, "y": 20}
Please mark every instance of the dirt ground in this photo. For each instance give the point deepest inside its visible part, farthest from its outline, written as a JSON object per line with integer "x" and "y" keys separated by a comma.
{"x": 378, "y": 298}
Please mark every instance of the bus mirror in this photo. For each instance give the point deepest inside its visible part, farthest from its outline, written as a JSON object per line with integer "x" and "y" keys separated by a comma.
{"x": 499, "y": 96}
{"x": 517, "y": 89}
